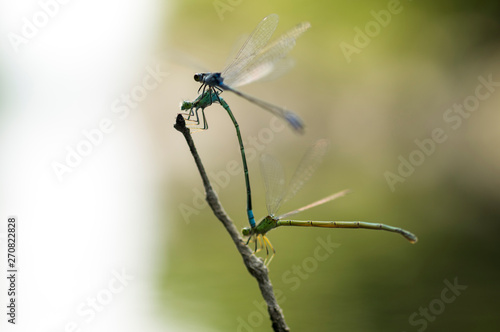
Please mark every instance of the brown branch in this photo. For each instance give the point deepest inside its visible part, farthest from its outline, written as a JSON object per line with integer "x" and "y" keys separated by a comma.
{"x": 254, "y": 265}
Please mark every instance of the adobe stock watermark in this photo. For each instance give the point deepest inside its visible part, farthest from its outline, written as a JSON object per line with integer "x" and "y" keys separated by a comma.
{"x": 88, "y": 309}
{"x": 453, "y": 117}
{"x": 93, "y": 137}
{"x": 437, "y": 306}
{"x": 292, "y": 277}
{"x": 30, "y": 27}
{"x": 223, "y": 6}
{"x": 254, "y": 145}
{"x": 363, "y": 37}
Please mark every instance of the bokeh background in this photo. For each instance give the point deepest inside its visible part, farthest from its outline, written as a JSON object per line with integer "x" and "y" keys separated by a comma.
{"x": 136, "y": 203}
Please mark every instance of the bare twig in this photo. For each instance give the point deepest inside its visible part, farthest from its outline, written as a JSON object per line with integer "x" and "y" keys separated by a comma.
{"x": 254, "y": 265}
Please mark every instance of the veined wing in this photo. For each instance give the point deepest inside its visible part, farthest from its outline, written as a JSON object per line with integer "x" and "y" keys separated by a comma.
{"x": 291, "y": 118}
{"x": 277, "y": 70}
{"x": 262, "y": 64}
{"x": 274, "y": 182}
{"x": 257, "y": 40}
{"x": 320, "y": 202}
{"x": 308, "y": 165}
{"x": 236, "y": 48}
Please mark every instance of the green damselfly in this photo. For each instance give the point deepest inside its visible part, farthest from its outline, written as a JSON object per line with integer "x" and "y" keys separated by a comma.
{"x": 277, "y": 194}
{"x": 204, "y": 100}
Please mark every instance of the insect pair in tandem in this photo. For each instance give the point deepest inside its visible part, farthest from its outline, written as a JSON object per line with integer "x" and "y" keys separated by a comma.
{"x": 256, "y": 60}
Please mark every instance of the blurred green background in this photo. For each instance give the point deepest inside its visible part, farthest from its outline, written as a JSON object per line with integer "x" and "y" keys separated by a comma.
{"x": 372, "y": 108}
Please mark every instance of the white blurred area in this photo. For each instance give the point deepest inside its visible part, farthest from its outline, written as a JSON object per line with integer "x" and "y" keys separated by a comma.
{"x": 101, "y": 220}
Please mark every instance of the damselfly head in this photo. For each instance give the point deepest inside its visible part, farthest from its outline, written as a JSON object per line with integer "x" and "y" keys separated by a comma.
{"x": 246, "y": 231}
{"x": 186, "y": 105}
{"x": 199, "y": 77}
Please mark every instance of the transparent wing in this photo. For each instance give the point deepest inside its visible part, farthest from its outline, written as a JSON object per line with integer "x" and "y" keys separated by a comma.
{"x": 236, "y": 48}
{"x": 271, "y": 71}
{"x": 257, "y": 40}
{"x": 308, "y": 165}
{"x": 262, "y": 64}
{"x": 291, "y": 118}
{"x": 319, "y": 202}
{"x": 274, "y": 182}
{"x": 278, "y": 69}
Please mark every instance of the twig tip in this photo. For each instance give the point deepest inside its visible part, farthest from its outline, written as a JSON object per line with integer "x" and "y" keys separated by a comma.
{"x": 180, "y": 123}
